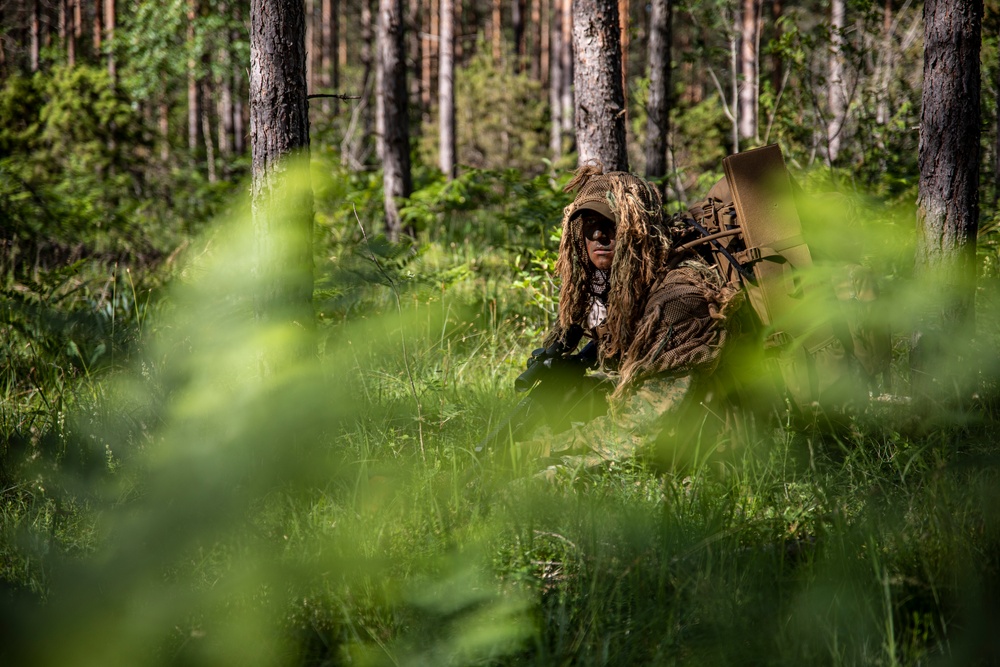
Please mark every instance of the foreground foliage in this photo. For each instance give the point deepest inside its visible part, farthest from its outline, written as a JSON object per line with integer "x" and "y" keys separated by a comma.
{"x": 165, "y": 503}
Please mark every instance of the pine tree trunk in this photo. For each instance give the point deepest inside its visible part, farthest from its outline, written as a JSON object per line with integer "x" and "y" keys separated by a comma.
{"x": 599, "y": 110}
{"x": 948, "y": 199}
{"x": 195, "y": 138}
{"x": 517, "y": 21}
{"x": 36, "y": 35}
{"x": 537, "y": 28}
{"x": 77, "y": 24}
{"x": 556, "y": 82}
{"x": 98, "y": 30}
{"x": 566, "y": 88}
{"x": 412, "y": 56}
{"x": 164, "y": 126}
{"x": 623, "y": 25}
{"x": 327, "y": 52}
{"x": 446, "y": 90}
{"x": 658, "y": 118}
{"x": 949, "y": 133}
{"x": 496, "y": 32}
{"x": 391, "y": 91}
{"x": 431, "y": 37}
{"x": 837, "y": 88}
{"x": 748, "y": 67}
{"x": 224, "y": 84}
{"x": 239, "y": 91}
{"x": 279, "y": 130}
{"x": 206, "y": 128}
{"x": 311, "y": 50}
{"x": 110, "y": 19}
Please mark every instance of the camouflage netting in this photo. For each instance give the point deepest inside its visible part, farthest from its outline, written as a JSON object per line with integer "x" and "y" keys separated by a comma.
{"x": 660, "y": 320}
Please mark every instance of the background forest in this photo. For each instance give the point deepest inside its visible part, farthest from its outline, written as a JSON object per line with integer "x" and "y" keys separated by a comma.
{"x": 162, "y": 501}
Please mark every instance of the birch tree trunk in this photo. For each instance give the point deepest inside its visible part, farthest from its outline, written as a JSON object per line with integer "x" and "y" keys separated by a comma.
{"x": 597, "y": 78}
{"x": 446, "y": 90}
{"x": 658, "y": 113}
{"x": 836, "y": 86}
{"x": 748, "y": 68}
{"x": 391, "y": 91}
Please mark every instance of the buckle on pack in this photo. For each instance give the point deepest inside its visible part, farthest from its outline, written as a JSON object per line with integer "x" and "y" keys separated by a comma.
{"x": 777, "y": 340}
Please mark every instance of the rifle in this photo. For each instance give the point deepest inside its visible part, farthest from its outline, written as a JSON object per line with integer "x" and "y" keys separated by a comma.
{"x": 552, "y": 380}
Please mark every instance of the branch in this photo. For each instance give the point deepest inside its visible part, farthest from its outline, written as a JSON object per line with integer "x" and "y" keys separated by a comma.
{"x": 333, "y": 96}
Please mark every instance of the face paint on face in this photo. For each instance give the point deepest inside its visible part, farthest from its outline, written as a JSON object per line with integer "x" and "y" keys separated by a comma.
{"x": 599, "y": 235}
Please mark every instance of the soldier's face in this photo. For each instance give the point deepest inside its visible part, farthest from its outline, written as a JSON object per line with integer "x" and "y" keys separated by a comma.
{"x": 599, "y": 235}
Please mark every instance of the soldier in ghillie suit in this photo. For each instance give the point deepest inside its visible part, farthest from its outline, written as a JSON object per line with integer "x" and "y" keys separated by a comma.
{"x": 660, "y": 320}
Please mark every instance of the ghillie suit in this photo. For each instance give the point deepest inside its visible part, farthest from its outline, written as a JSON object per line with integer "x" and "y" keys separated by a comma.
{"x": 665, "y": 330}
{"x": 664, "y": 310}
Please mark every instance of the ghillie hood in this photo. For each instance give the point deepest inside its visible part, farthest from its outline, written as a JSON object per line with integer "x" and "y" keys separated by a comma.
{"x": 641, "y": 248}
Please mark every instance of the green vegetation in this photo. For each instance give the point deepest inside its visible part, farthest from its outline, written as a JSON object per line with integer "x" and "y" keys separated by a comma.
{"x": 161, "y": 502}
{"x": 164, "y": 504}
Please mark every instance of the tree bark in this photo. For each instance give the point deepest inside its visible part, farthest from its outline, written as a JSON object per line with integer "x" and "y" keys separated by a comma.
{"x": 411, "y": 55}
{"x": 98, "y": 28}
{"x": 36, "y": 35}
{"x": 279, "y": 130}
{"x": 556, "y": 82}
{"x": 597, "y": 78}
{"x": 327, "y": 53}
{"x": 837, "y": 89}
{"x": 623, "y": 24}
{"x": 566, "y": 87}
{"x": 748, "y": 68}
{"x": 311, "y": 50}
{"x": 394, "y": 138}
{"x": 238, "y": 73}
{"x": 948, "y": 199}
{"x": 446, "y": 90}
{"x": 517, "y": 20}
{"x": 224, "y": 84}
{"x": 658, "y": 112}
{"x": 539, "y": 42}
{"x": 496, "y": 32}
{"x": 195, "y": 137}
{"x": 110, "y": 19}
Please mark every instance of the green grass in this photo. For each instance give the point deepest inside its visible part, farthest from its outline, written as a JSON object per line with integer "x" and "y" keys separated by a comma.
{"x": 175, "y": 507}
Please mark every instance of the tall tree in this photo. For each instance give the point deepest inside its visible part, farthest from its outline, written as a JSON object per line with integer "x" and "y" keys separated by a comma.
{"x": 279, "y": 130}
{"x": 566, "y": 87}
{"x": 837, "y": 85}
{"x": 446, "y": 90}
{"x": 393, "y": 115}
{"x": 36, "y": 35}
{"x": 948, "y": 199}
{"x": 110, "y": 21}
{"x": 597, "y": 78}
{"x": 517, "y": 8}
{"x": 748, "y": 90}
{"x": 194, "y": 89}
{"x": 556, "y": 81}
{"x": 658, "y": 112}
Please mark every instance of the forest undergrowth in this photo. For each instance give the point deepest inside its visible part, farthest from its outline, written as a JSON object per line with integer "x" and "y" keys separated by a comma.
{"x": 163, "y": 502}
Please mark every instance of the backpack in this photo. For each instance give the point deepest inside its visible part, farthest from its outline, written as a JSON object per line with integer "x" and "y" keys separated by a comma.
{"x": 813, "y": 333}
